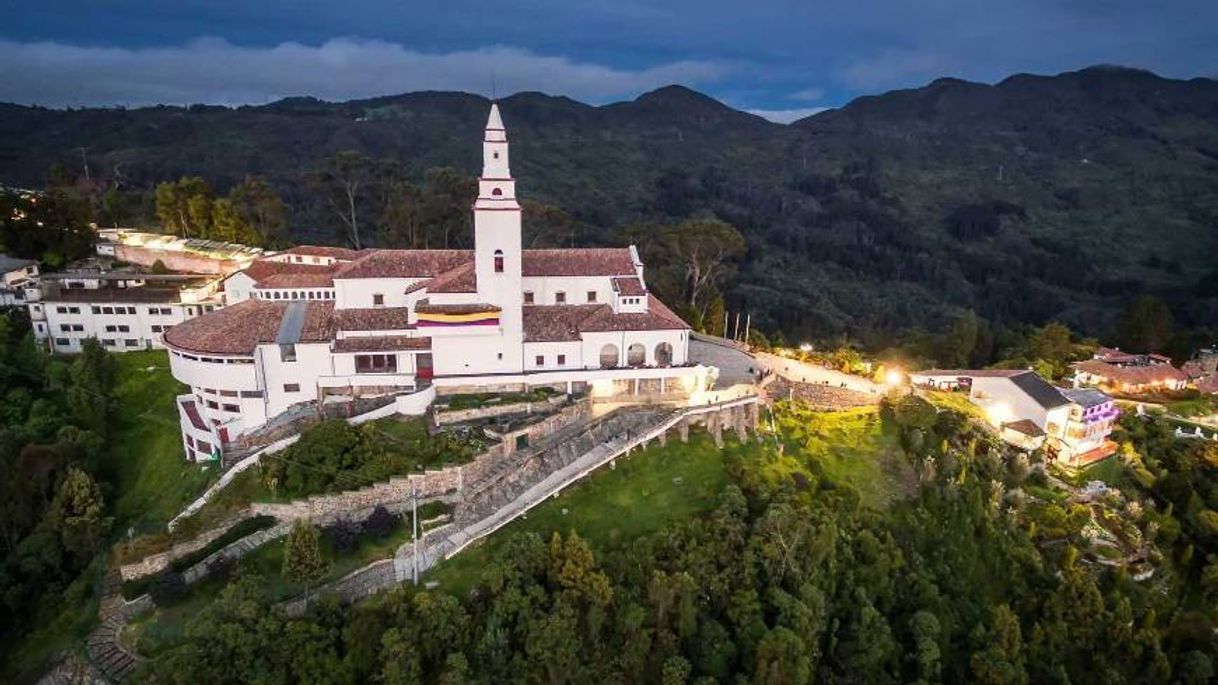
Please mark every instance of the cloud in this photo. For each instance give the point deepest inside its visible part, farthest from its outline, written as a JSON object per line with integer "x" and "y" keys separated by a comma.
{"x": 897, "y": 68}
{"x": 786, "y": 116}
{"x": 807, "y": 94}
{"x": 212, "y": 70}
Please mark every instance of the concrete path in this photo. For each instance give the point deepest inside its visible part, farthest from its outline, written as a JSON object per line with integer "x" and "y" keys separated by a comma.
{"x": 803, "y": 372}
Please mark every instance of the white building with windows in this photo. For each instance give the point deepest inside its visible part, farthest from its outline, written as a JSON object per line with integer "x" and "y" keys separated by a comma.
{"x": 325, "y": 324}
{"x": 16, "y": 276}
{"x": 123, "y": 310}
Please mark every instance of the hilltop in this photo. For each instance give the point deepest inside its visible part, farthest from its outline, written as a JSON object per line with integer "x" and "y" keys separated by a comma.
{"x": 1036, "y": 198}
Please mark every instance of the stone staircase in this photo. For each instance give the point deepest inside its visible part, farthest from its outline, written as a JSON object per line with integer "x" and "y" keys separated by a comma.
{"x": 103, "y": 647}
{"x": 528, "y": 467}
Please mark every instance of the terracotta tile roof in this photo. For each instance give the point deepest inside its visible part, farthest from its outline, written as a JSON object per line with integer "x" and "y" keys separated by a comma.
{"x": 240, "y": 328}
{"x": 566, "y": 322}
{"x": 404, "y": 263}
{"x": 462, "y": 279}
{"x": 1131, "y": 375}
{"x": 414, "y": 287}
{"x": 658, "y": 317}
{"x": 308, "y": 279}
{"x": 558, "y": 322}
{"x": 381, "y": 343}
{"x": 325, "y": 251}
{"x": 262, "y": 269}
{"x": 372, "y": 319}
{"x": 593, "y": 261}
{"x": 628, "y": 286}
{"x": 1025, "y": 426}
{"x": 425, "y": 307}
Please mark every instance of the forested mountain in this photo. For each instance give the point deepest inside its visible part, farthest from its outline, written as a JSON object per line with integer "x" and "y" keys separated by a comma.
{"x": 1033, "y": 199}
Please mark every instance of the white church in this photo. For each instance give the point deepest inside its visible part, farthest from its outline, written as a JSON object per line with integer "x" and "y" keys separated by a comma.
{"x": 324, "y": 324}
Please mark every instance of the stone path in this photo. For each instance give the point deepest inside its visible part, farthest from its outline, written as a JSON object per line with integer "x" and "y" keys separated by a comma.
{"x": 105, "y": 650}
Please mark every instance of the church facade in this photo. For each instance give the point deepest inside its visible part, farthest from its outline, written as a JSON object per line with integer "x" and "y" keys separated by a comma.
{"x": 324, "y": 324}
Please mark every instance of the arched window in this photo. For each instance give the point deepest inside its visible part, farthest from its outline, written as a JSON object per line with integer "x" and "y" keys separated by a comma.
{"x": 609, "y": 356}
{"x": 498, "y": 261}
{"x": 663, "y": 354}
{"x": 497, "y": 192}
{"x": 636, "y": 355}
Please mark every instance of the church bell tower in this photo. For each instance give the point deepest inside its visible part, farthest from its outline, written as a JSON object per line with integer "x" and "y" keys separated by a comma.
{"x": 497, "y": 240}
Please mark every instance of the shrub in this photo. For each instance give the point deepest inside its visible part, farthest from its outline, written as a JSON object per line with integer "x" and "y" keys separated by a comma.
{"x": 343, "y": 535}
{"x": 379, "y": 523}
{"x": 168, "y": 588}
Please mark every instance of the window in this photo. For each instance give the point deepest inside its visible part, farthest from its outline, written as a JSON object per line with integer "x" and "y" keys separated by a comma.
{"x": 107, "y": 342}
{"x": 73, "y": 310}
{"x": 541, "y": 360}
{"x": 636, "y": 355}
{"x": 591, "y": 296}
{"x": 663, "y": 354}
{"x": 166, "y": 311}
{"x": 131, "y": 342}
{"x": 211, "y": 404}
{"x": 111, "y": 329}
{"x": 96, "y": 310}
{"x": 156, "y": 328}
{"x": 378, "y": 300}
{"x": 498, "y": 261}
{"x": 562, "y": 359}
{"x": 190, "y": 441}
{"x": 107, "y": 310}
{"x": 63, "y": 342}
{"x": 291, "y": 387}
{"x": 124, "y": 329}
{"x": 287, "y": 353}
{"x": 65, "y": 327}
{"x": 228, "y": 393}
{"x": 62, "y": 310}
{"x": 251, "y": 394}
{"x": 376, "y": 363}
{"x": 560, "y": 297}
{"x": 497, "y": 192}
{"x": 609, "y": 356}
{"x": 78, "y": 327}
{"x": 528, "y": 297}
{"x": 232, "y": 409}
{"x": 203, "y": 447}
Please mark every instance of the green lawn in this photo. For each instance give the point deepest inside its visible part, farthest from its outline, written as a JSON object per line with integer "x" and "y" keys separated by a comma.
{"x": 644, "y": 493}
{"x": 957, "y": 401}
{"x": 152, "y": 481}
{"x": 849, "y": 447}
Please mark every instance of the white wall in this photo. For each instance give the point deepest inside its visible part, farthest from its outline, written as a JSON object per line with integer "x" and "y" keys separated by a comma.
{"x": 141, "y": 326}
{"x": 593, "y": 342}
{"x": 545, "y": 288}
{"x": 356, "y": 293}
{"x": 573, "y": 351}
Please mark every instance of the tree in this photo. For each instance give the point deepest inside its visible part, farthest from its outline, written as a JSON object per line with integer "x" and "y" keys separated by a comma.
{"x": 302, "y": 560}
{"x": 925, "y": 629}
{"x": 702, "y": 250}
{"x": 447, "y": 196}
{"x": 90, "y": 394}
{"x": 346, "y": 184}
{"x": 998, "y": 650}
{"x": 184, "y": 206}
{"x": 401, "y": 222}
{"x": 1145, "y": 325}
{"x": 956, "y": 349}
{"x": 77, "y": 514}
{"x": 261, "y": 208}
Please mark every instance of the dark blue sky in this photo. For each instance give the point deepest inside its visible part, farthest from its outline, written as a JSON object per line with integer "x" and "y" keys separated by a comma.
{"x": 785, "y": 57}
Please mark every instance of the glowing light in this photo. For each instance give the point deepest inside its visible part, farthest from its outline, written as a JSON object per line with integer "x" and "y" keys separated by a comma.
{"x": 894, "y": 377}
{"x": 998, "y": 413}
{"x": 805, "y": 347}
{"x": 602, "y": 387}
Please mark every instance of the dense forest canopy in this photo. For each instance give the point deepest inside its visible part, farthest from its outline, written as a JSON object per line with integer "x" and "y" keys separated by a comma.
{"x": 1034, "y": 199}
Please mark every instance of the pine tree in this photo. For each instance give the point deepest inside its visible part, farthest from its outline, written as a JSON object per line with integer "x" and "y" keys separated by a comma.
{"x": 302, "y": 560}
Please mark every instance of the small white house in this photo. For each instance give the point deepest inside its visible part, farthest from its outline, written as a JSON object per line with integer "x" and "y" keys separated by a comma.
{"x": 16, "y": 275}
{"x": 1029, "y": 412}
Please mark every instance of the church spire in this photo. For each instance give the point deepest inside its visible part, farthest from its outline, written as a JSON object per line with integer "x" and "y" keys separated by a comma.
{"x": 495, "y": 147}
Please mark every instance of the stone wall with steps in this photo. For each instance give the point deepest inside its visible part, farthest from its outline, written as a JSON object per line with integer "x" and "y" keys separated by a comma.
{"x": 637, "y": 430}
{"x": 820, "y": 396}
{"x": 103, "y": 646}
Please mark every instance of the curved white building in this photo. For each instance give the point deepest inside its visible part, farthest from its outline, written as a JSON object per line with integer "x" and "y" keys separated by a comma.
{"x": 323, "y": 323}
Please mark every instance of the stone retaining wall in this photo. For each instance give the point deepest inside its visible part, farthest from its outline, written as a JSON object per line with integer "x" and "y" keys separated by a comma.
{"x": 822, "y": 397}
{"x": 154, "y": 563}
{"x": 443, "y": 417}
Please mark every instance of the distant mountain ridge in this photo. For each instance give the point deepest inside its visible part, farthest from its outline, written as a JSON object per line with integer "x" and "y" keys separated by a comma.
{"x": 1035, "y": 198}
